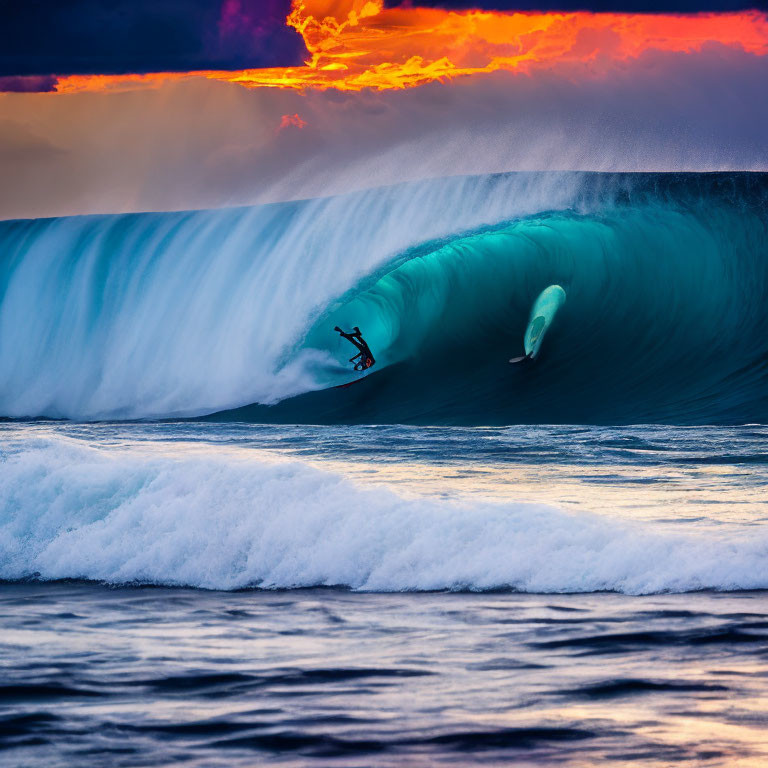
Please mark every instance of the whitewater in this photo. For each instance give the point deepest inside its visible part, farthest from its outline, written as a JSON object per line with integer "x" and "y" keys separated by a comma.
{"x": 406, "y": 509}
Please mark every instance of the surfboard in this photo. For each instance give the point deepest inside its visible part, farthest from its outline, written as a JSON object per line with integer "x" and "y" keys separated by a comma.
{"x": 540, "y": 320}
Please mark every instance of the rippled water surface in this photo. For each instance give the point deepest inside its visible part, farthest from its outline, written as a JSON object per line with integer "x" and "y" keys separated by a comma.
{"x": 239, "y": 595}
{"x": 152, "y": 676}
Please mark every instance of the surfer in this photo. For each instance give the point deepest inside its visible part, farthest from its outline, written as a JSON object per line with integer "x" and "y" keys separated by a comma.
{"x": 364, "y": 359}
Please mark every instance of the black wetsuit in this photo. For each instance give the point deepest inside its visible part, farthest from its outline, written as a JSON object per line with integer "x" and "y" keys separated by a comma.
{"x": 364, "y": 359}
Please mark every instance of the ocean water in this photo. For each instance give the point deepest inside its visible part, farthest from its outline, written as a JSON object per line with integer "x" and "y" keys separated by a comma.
{"x": 231, "y": 312}
{"x": 240, "y": 594}
{"x": 214, "y": 552}
{"x": 132, "y": 677}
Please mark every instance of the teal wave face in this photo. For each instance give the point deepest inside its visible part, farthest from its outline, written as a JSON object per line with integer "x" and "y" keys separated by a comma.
{"x": 665, "y": 321}
{"x": 187, "y": 314}
{"x": 182, "y": 314}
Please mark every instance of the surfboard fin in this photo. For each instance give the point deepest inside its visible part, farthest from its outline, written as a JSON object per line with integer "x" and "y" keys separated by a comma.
{"x": 521, "y": 359}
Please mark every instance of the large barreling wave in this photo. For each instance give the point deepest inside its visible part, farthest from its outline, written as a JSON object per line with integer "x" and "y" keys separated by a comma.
{"x": 229, "y": 314}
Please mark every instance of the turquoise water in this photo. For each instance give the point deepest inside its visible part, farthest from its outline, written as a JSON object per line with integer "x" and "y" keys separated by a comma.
{"x": 210, "y": 312}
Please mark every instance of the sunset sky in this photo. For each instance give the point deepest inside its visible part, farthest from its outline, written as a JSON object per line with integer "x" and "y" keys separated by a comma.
{"x": 166, "y": 103}
{"x": 344, "y": 44}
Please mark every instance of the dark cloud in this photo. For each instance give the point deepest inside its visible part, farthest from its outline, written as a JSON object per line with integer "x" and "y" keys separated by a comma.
{"x": 28, "y": 83}
{"x": 52, "y": 37}
{"x": 628, "y": 6}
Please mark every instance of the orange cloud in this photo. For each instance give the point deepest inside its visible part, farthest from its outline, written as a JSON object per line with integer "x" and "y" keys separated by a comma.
{"x": 356, "y": 44}
{"x": 292, "y": 120}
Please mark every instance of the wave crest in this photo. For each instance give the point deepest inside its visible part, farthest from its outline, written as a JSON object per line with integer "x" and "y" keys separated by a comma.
{"x": 229, "y": 520}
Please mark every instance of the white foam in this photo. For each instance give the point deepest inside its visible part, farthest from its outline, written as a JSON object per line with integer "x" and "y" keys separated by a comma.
{"x": 224, "y": 520}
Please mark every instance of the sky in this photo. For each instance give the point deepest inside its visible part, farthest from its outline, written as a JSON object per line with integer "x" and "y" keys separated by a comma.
{"x": 49, "y": 37}
{"x": 168, "y": 104}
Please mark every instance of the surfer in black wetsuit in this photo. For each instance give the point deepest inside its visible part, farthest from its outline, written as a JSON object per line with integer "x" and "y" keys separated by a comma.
{"x": 364, "y": 359}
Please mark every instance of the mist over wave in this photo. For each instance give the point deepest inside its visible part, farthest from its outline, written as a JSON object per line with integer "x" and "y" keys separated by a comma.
{"x": 224, "y": 520}
{"x": 186, "y": 314}
{"x": 156, "y": 149}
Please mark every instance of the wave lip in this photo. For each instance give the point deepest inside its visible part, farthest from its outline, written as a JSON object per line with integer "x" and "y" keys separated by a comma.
{"x": 228, "y": 522}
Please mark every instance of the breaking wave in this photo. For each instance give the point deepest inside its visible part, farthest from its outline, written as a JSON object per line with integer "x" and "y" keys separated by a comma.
{"x": 231, "y": 312}
{"x": 223, "y": 521}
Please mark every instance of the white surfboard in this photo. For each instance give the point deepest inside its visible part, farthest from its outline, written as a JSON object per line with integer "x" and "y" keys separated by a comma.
{"x": 542, "y": 315}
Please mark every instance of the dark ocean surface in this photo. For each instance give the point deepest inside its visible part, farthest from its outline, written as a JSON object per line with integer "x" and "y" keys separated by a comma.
{"x": 239, "y": 595}
{"x": 99, "y": 676}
